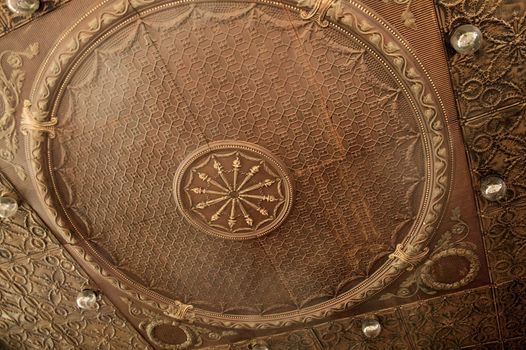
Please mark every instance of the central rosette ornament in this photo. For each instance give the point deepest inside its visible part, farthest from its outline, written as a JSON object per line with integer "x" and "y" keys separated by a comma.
{"x": 234, "y": 190}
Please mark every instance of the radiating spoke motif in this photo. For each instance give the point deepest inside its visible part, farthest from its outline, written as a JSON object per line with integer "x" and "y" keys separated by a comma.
{"x": 233, "y": 194}
{"x": 235, "y": 191}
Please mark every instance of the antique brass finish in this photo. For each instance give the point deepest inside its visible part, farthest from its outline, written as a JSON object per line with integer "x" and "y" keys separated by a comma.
{"x": 356, "y": 121}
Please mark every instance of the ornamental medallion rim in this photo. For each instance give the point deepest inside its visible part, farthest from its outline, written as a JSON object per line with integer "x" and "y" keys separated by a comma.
{"x": 285, "y": 186}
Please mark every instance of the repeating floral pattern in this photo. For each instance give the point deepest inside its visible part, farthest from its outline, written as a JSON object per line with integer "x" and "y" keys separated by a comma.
{"x": 494, "y": 76}
{"x": 39, "y": 282}
{"x": 38, "y": 311}
{"x": 23, "y": 234}
{"x": 39, "y": 278}
{"x": 463, "y": 319}
{"x": 297, "y": 340}
{"x": 466, "y": 319}
{"x": 511, "y": 300}
{"x": 346, "y": 334}
{"x": 497, "y": 146}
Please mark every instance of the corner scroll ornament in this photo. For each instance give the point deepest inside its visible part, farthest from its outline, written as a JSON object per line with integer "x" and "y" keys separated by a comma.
{"x": 11, "y": 83}
{"x": 31, "y": 124}
{"x": 318, "y": 12}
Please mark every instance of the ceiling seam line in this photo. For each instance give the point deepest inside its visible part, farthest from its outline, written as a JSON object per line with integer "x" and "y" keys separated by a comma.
{"x": 317, "y": 340}
{"x": 280, "y": 277}
{"x": 477, "y": 117}
{"x": 401, "y": 319}
{"x": 166, "y": 67}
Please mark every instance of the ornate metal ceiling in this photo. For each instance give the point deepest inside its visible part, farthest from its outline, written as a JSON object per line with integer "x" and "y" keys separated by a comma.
{"x": 224, "y": 172}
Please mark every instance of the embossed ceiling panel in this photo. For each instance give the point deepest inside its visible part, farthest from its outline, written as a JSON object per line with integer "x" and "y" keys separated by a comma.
{"x": 325, "y": 94}
{"x": 493, "y": 78}
{"x": 343, "y": 107}
{"x": 39, "y": 281}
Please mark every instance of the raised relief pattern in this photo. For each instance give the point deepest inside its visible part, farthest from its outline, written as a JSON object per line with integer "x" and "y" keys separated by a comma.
{"x": 451, "y": 253}
{"x": 234, "y": 190}
{"x": 334, "y": 158}
{"x": 493, "y": 77}
{"x": 12, "y": 77}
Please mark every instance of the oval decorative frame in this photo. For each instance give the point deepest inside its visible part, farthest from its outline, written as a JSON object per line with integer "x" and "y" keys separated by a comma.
{"x": 470, "y": 256}
{"x": 348, "y": 17}
{"x": 191, "y": 341}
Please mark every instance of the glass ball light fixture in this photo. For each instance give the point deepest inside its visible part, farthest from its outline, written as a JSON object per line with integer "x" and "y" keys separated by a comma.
{"x": 493, "y": 188}
{"x": 88, "y": 299}
{"x": 371, "y": 327}
{"x": 466, "y": 39}
{"x": 8, "y": 205}
{"x": 23, "y": 7}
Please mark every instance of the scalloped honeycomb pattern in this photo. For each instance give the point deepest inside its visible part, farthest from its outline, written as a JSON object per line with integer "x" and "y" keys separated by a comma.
{"x": 163, "y": 86}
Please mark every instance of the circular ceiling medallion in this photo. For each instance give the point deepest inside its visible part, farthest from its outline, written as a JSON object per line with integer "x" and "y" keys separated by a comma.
{"x": 233, "y": 189}
{"x": 344, "y": 106}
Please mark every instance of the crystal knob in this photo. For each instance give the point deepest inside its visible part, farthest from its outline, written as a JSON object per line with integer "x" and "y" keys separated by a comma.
{"x": 88, "y": 299}
{"x": 371, "y": 327}
{"x": 466, "y": 39}
{"x": 23, "y": 7}
{"x": 493, "y": 188}
{"x": 8, "y": 206}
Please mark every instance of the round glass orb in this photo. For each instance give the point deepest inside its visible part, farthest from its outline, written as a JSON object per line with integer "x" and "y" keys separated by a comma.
{"x": 8, "y": 207}
{"x": 88, "y": 299}
{"x": 466, "y": 39}
{"x": 23, "y": 7}
{"x": 371, "y": 327}
{"x": 493, "y": 188}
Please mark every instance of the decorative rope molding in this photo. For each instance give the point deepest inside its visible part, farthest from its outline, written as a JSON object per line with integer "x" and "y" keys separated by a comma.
{"x": 30, "y": 123}
{"x": 318, "y": 11}
{"x": 179, "y": 311}
{"x": 412, "y": 260}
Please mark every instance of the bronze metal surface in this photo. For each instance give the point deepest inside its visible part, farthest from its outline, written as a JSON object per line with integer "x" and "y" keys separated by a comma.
{"x": 355, "y": 102}
{"x": 233, "y": 189}
{"x": 393, "y": 150}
